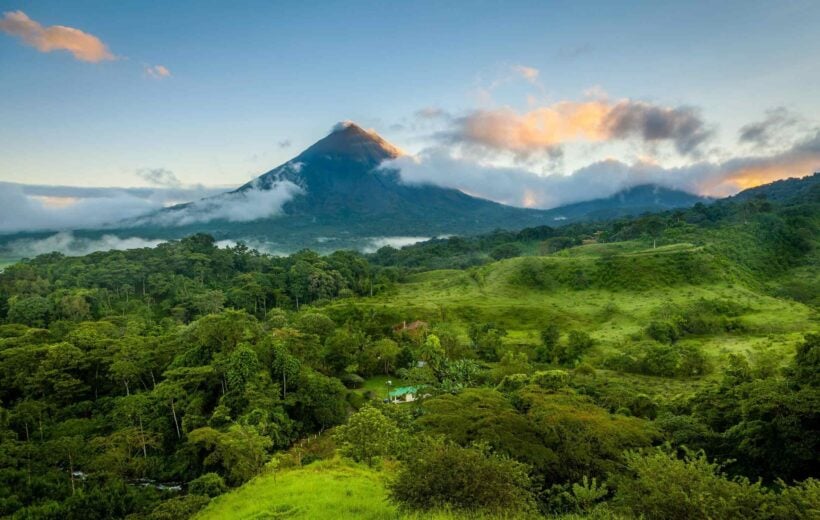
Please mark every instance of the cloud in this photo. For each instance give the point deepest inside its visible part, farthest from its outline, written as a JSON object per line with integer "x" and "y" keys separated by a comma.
{"x": 545, "y": 129}
{"x": 236, "y": 206}
{"x": 60, "y": 208}
{"x": 521, "y": 187}
{"x": 159, "y": 177}
{"x": 539, "y": 130}
{"x": 285, "y": 143}
{"x": 528, "y": 73}
{"x": 375, "y": 243}
{"x": 762, "y": 133}
{"x": 157, "y": 71}
{"x": 427, "y": 113}
{"x": 84, "y": 46}
{"x": 575, "y": 51}
{"x": 39, "y": 207}
{"x": 68, "y": 244}
{"x": 682, "y": 125}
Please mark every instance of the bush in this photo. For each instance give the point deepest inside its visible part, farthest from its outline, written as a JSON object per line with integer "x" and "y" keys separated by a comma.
{"x": 665, "y": 487}
{"x": 578, "y": 344}
{"x": 663, "y": 331}
{"x": 547, "y": 351}
{"x": 509, "y": 250}
{"x": 352, "y": 380}
{"x": 513, "y": 382}
{"x": 209, "y": 485}
{"x": 551, "y": 379}
{"x": 662, "y": 360}
{"x": 367, "y": 435}
{"x": 178, "y": 507}
{"x": 445, "y": 475}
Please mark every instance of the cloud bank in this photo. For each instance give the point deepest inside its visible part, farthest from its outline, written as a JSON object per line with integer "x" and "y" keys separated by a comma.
{"x": 521, "y": 187}
{"x": 765, "y": 132}
{"x": 36, "y": 207}
{"x": 159, "y": 177}
{"x": 68, "y": 244}
{"x": 236, "y": 206}
{"x": 544, "y": 129}
{"x": 83, "y": 46}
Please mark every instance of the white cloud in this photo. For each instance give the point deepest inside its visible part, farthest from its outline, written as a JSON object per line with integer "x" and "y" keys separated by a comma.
{"x": 68, "y": 244}
{"x": 159, "y": 177}
{"x": 376, "y": 243}
{"x": 236, "y": 206}
{"x": 521, "y": 187}
{"x": 39, "y": 207}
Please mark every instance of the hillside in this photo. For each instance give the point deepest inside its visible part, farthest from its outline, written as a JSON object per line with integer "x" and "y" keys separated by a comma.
{"x": 634, "y": 201}
{"x": 193, "y": 379}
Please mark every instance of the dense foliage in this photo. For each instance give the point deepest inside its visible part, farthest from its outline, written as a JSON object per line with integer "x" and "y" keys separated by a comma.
{"x": 147, "y": 382}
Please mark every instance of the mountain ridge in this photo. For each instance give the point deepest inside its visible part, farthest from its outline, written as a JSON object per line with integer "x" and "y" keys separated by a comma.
{"x": 339, "y": 193}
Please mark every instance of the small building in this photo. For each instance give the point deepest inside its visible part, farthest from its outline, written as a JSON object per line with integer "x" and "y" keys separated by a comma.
{"x": 403, "y": 394}
{"x": 415, "y": 329}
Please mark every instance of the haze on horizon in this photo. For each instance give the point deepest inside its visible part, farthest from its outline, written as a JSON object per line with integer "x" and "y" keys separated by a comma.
{"x": 532, "y": 105}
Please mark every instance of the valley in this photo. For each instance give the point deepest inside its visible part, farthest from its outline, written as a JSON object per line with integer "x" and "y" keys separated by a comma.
{"x": 544, "y": 358}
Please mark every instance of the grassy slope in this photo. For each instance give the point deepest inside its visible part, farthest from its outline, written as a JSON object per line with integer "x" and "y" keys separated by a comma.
{"x": 614, "y": 312}
{"x": 324, "y": 489}
{"x": 330, "y": 489}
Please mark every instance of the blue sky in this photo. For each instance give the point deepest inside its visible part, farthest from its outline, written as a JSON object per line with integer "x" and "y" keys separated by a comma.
{"x": 250, "y": 84}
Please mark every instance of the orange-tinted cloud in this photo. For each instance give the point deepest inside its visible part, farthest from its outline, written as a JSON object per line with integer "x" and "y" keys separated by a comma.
{"x": 157, "y": 71}
{"x": 537, "y": 130}
{"x": 545, "y": 128}
{"x": 521, "y": 187}
{"x": 528, "y": 73}
{"x": 84, "y": 46}
{"x": 800, "y": 159}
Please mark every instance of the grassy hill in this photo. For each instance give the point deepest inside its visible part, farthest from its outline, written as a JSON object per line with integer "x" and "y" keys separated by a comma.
{"x": 327, "y": 489}
{"x": 611, "y": 291}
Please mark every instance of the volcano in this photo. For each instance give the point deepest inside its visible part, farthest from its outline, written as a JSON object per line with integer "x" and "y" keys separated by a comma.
{"x": 339, "y": 190}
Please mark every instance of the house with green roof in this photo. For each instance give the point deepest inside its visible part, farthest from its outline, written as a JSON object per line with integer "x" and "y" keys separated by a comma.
{"x": 404, "y": 394}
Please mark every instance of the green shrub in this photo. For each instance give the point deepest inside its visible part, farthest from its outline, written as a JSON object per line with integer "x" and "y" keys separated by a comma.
{"x": 208, "y": 484}
{"x": 513, "y": 382}
{"x": 352, "y": 380}
{"x": 445, "y": 475}
{"x": 551, "y": 379}
{"x": 662, "y": 486}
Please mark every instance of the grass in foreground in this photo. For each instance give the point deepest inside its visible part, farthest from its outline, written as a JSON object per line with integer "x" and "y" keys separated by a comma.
{"x": 325, "y": 489}
{"x": 334, "y": 489}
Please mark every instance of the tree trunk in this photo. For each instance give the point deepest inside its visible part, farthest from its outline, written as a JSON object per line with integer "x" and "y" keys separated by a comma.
{"x": 176, "y": 423}
{"x": 71, "y": 471}
{"x": 142, "y": 436}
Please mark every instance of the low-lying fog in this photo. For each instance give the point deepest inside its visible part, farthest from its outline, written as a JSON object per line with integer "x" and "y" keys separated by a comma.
{"x": 69, "y": 244}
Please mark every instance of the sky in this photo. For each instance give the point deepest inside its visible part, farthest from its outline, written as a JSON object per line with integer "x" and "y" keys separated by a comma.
{"x": 551, "y": 100}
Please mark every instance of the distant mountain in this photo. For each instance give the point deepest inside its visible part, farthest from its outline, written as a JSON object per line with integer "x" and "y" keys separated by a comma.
{"x": 345, "y": 193}
{"x": 637, "y": 200}
{"x": 339, "y": 194}
{"x": 791, "y": 190}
